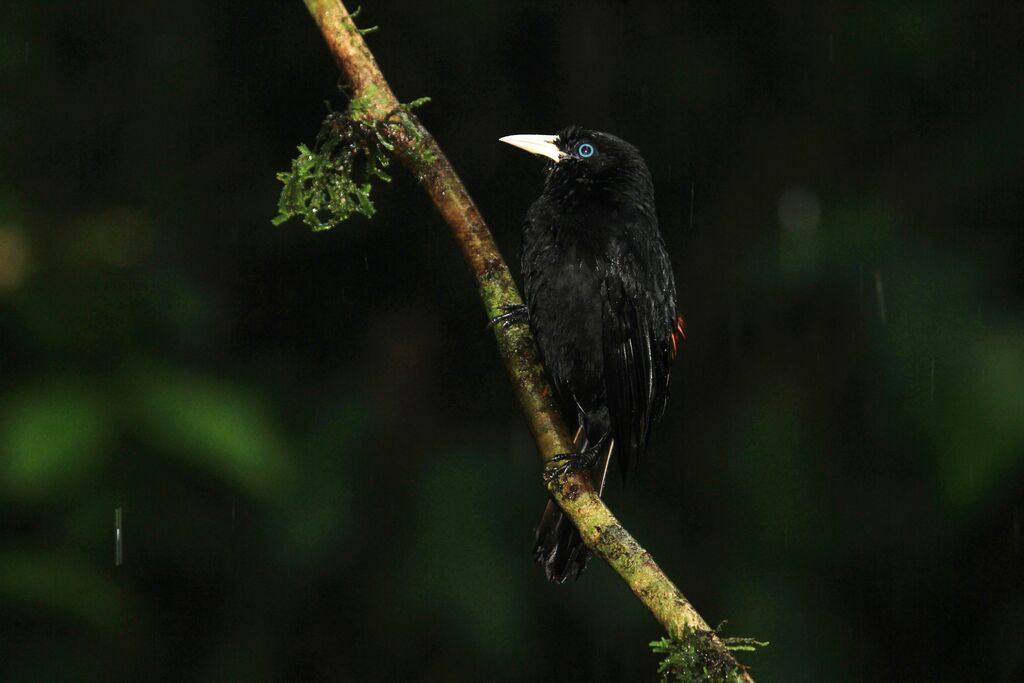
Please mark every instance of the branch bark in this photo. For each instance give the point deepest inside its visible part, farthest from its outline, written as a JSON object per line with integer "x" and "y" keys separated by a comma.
{"x": 421, "y": 155}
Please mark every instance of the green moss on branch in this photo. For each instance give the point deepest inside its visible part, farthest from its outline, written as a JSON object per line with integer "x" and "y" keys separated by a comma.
{"x": 332, "y": 181}
{"x": 697, "y": 657}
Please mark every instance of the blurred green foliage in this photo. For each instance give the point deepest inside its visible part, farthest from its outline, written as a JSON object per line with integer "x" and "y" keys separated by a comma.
{"x": 53, "y": 438}
{"x": 213, "y": 426}
{"x": 319, "y": 465}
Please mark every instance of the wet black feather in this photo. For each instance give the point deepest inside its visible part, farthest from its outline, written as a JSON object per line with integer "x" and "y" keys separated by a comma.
{"x": 602, "y": 300}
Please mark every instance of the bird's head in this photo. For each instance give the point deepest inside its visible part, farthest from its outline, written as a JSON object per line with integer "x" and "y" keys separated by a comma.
{"x": 581, "y": 158}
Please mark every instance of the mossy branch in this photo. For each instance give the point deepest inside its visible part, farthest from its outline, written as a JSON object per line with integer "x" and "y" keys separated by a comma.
{"x": 376, "y": 114}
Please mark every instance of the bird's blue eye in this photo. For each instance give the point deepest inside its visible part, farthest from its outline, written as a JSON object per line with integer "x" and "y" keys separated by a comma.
{"x": 585, "y": 150}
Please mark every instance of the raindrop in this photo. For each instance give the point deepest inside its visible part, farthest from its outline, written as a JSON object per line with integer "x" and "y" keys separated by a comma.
{"x": 118, "y": 538}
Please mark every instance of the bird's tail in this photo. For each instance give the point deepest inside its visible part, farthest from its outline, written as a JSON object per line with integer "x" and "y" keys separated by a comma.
{"x": 558, "y": 545}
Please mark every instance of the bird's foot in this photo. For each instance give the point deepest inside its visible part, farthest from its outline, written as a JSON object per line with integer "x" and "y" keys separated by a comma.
{"x": 514, "y": 314}
{"x": 565, "y": 464}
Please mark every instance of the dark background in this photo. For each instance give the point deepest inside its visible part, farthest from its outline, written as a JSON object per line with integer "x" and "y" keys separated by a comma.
{"x": 320, "y": 467}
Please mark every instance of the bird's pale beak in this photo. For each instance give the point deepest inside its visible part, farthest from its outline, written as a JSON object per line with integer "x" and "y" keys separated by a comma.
{"x": 537, "y": 144}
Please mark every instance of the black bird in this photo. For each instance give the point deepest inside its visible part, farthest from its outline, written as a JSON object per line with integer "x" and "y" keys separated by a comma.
{"x": 601, "y": 302}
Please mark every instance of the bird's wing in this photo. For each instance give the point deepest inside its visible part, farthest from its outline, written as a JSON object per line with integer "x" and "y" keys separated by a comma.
{"x": 636, "y": 358}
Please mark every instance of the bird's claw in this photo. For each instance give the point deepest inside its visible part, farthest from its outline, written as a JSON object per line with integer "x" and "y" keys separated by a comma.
{"x": 514, "y": 314}
{"x": 564, "y": 464}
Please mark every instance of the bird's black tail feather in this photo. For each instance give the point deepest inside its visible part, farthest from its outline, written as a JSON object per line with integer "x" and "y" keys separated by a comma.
{"x": 558, "y": 545}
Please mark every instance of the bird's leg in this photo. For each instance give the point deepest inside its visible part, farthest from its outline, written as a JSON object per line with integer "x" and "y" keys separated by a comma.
{"x": 514, "y": 314}
{"x": 565, "y": 463}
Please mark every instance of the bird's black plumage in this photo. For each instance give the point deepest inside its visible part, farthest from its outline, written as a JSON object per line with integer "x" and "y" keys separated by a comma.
{"x": 602, "y": 307}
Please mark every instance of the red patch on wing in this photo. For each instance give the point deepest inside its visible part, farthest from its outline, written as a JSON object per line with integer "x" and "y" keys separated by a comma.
{"x": 677, "y": 334}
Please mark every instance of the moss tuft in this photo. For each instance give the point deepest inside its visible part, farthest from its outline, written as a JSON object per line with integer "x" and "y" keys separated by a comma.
{"x": 694, "y": 658}
{"x": 328, "y": 183}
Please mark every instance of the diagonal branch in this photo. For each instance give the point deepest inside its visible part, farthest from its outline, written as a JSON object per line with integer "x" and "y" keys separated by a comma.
{"x": 421, "y": 155}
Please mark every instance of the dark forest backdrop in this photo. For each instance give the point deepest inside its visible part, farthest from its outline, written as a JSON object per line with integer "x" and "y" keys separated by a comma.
{"x": 320, "y": 469}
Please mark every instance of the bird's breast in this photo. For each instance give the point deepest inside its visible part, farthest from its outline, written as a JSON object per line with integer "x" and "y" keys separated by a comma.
{"x": 565, "y": 313}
